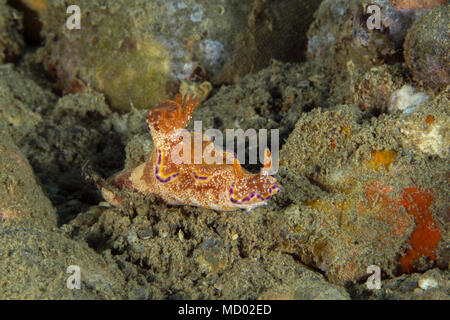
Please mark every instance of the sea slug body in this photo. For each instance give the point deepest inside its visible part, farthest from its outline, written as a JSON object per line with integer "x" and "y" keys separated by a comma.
{"x": 219, "y": 186}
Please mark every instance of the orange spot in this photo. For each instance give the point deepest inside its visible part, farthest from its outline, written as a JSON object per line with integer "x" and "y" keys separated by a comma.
{"x": 12, "y": 214}
{"x": 76, "y": 87}
{"x": 430, "y": 119}
{"x": 426, "y": 235}
{"x": 333, "y": 143}
{"x": 382, "y": 158}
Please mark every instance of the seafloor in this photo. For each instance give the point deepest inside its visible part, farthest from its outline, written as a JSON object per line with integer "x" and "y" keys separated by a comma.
{"x": 363, "y": 120}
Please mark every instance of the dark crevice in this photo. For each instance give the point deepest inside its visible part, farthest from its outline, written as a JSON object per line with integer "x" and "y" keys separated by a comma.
{"x": 32, "y": 26}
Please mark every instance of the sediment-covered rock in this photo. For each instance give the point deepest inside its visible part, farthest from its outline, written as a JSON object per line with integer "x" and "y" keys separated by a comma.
{"x": 138, "y": 54}
{"x": 379, "y": 192}
{"x": 427, "y": 46}
{"x": 21, "y": 197}
{"x": 11, "y": 39}
{"x": 35, "y": 265}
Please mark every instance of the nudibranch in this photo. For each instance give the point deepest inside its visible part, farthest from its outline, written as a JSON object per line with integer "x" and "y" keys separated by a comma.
{"x": 219, "y": 186}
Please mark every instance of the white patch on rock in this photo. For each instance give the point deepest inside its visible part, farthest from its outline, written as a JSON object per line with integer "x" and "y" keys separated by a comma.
{"x": 432, "y": 141}
{"x": 406, "y": 100}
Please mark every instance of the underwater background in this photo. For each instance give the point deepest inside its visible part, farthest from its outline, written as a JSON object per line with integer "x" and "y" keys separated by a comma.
{"x": 359, "y": 91}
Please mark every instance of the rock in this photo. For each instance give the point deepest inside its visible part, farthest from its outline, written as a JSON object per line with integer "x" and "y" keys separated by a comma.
{"x": 21, "y": 198}
{"x": 426, "y": 48}
{"x": 22, "y": 102}
{"x": 431, "y": 285}
{"x": 427, "y": 283}
{"x": 309, "y": 286}
{"x": 340, "y": 32}
{"x": 139, "y": 57}
{"x": 35, "y": 261}
{"x": 11, "y": 40}
{"x": 426, "y": 129}
{"x": 372, "y": 195}
{"x": 374, "y": 90}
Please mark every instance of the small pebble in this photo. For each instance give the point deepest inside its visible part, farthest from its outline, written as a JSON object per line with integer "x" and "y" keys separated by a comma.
{"x": 145, "y": 234}
{"x": 181, "y": 235}
{"x": 197, "y": 15}
{"x": 139, "y": 293}
{"x": 218, "y": 286}
{"x": 141, "y": 210}
{"x": 427, "y": 283}
{"x": 131, "y": 239}
{"x": 418, "y": 291}
{"x": 104, "y": 204}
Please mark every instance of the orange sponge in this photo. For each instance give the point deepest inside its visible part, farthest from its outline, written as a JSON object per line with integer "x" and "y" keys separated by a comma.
{"x": 426, "y": 236}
